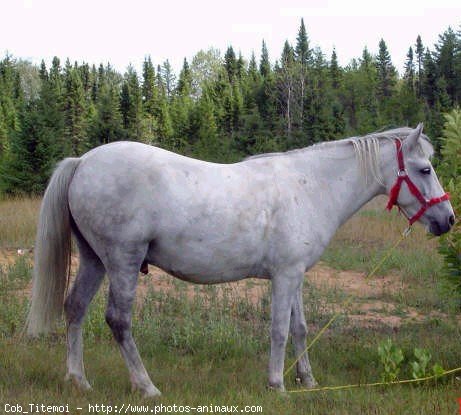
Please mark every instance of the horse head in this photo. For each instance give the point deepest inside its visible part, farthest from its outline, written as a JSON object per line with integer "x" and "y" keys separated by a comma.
{"x": 413, "y": 186}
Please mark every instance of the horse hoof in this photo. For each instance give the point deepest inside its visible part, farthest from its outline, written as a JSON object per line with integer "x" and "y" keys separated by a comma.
{"x": 151, "y": 393}
{"x": 79, "y": 382}
{"x": 276, "y": 388}
{"x": 307, "y": 381}
{"x": 147, "y": 392}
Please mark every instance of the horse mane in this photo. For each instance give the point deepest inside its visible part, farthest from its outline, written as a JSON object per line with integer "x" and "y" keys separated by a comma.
{"x": 366, "y": 148}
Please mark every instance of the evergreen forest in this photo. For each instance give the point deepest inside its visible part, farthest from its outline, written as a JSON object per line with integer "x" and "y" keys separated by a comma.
{"x": 218, "y": 108}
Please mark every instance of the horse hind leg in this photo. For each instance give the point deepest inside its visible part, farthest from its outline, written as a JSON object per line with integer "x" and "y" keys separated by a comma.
{"x": 122, "y": 289}
{"x": 298, "y": 328}
{"x": 89, "y": 277}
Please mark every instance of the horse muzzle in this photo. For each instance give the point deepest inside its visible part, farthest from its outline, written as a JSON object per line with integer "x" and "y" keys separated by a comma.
{"x": 438, "y": 228}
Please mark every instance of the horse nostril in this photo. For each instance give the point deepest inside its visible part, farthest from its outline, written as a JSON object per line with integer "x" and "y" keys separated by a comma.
{"x": 451, "y": 220}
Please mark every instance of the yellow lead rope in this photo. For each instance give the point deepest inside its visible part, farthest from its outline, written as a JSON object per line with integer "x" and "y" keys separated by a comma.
{"x": 367, "y": 385}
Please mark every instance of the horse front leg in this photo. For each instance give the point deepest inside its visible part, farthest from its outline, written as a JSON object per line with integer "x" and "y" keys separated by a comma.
{"x": 284, "y": 287}
{"x": 298, "y": 328}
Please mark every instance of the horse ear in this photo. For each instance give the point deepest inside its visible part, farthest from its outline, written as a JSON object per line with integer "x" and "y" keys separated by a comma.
{"x": 413, "y": 137}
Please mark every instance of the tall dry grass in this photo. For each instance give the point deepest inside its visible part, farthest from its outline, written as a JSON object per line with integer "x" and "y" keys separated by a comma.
{"x": 18, "y": 221}
{"x": 371, "y": 227}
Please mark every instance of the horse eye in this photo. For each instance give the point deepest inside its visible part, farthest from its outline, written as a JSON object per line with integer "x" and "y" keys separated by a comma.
{"x": 426, "y": 170}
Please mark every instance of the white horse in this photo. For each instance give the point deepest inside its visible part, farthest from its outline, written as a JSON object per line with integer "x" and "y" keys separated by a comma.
{"x": 269, "y": 216}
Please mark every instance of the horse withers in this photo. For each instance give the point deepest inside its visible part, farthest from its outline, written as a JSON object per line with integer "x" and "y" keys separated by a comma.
{"x": 270, "y": 216}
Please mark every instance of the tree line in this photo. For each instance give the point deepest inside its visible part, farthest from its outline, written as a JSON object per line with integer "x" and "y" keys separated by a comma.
{"x": 218, "y": 108}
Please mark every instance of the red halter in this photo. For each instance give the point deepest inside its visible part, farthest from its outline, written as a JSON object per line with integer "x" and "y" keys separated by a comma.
{"x": 402, "y": 176}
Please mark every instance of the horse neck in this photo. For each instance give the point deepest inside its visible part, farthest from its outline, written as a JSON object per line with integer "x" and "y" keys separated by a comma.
{"x": 342, "y": 188}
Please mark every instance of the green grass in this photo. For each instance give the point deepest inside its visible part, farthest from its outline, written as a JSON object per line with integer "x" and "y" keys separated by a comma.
{"x": 212, "y": 347}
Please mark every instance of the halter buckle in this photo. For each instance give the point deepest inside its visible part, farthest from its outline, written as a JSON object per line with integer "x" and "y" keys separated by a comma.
{"x": 402, "y": 173}
{"x": 407, "y": 231}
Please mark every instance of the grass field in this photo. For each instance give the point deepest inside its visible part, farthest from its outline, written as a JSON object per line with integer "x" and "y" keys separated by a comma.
{"x": 211, "y": 348}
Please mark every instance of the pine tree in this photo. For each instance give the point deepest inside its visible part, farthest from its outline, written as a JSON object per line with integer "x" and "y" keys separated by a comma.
{"x": 106, "y": 123}
{"x": 302, "y": 51}
{"x": 335, "y": 72}
{"x": 410, "y": 106}
{"x": 446, "y": 51}
{"x": 165, "y": 127}
{"x": 4, "y": 140}
{"x": 85, "y": 76}
{"x": 318, "y": 102}
{"x": 168, "y": 78}
{"x": 386, "y": 73}
{"x": 208, "y": 145}
{"x": 131, "y": 107}
{"x": 250, "y": 84}
{"x": 56, "y": 78}
{"x": 265, "y": 95}
{"x": 150, "y": 101}
{"x": 162, "y": 129}
{"x": 51, "y": 138}
{"x": 286, "y": 84}
{"x": 161, "y": 87}
{"x": 94, "y": 84}
{"x": 75, "y": 131}
{"x": 360, "y": 101}
{"x": 226, "y": 104}
{"x": 10, "y": 102}
{"x": 240, "y": 66}
{"x": 429, "y": 87}
{"x": 149, "y": 89}
{"x": 181, "y": 106}
{"x": 337, "y": 111}
{"x": 264, "y": 64}
{"x": 303, "y": 56}
{"x": 184, "y": 87}
{"x": 386, "y": 86}
{"x": 21, "y": 171}
{"x": 409, "y": 75}
{"x": 419, "y": 59}
{"x": 253, "y": 68}
{"x": 230, "y": 64}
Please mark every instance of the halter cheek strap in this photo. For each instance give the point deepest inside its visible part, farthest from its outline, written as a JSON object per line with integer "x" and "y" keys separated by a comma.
{"x": 402, "y": 176}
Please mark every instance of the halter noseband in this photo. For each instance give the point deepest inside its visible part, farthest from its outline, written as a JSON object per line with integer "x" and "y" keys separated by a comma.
{"x": 402, "y": 176}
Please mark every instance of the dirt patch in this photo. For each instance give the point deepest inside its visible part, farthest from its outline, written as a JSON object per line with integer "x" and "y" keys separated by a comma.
{"x": 360, "y": 311}
{"x": 353, "y": 282}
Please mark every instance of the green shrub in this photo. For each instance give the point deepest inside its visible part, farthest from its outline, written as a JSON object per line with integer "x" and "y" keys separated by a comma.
{"x": 391, "y": 358}
{"x": 450, "y": 174}
{"x": 420, "y": 365}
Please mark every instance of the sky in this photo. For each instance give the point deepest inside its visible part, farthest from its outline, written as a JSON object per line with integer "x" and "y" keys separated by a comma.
{"x": 124, "y": 32}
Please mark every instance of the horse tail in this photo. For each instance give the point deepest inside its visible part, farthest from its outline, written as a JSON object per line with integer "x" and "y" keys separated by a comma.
{"x": 52, "y": 252}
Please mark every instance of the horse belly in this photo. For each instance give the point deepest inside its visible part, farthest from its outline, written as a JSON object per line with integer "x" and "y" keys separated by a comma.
{"x": 204, "y": 262}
